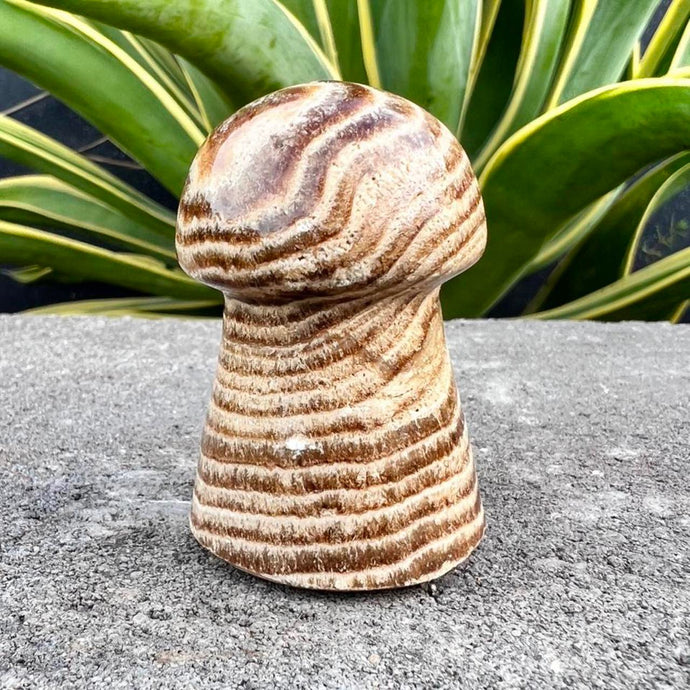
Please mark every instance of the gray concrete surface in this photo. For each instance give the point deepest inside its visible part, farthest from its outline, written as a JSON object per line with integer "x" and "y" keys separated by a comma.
{"x": 582, "y": 437}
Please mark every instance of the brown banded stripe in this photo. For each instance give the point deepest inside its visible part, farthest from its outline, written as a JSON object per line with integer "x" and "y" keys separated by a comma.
{"x": 335, "y": 453}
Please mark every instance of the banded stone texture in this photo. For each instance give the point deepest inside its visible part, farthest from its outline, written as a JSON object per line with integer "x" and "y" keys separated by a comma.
{"x": 335, "y": 454}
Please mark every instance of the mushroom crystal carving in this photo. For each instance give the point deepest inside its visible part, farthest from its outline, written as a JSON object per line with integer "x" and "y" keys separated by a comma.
{"x": 335, "y": 454}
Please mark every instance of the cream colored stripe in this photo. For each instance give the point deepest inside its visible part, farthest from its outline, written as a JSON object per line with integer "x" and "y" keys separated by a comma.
{"x": 283, "y": 345}
{"x": 208, "y": 187}
{"x": 226, "y": 470}
{"x": 345, "y": 161}
{"x": 270, "y": 527}
{"x": 288, "y": 424}
{"x": 383, "y": 575}
{"x": 370, "y": 576}
{"x": 464, "y": 244}
{"x": 459, "y": 457}
{"x": 391, "y": 344}
{"x": 326, "y": 30}
{"x": 255, "y": 546}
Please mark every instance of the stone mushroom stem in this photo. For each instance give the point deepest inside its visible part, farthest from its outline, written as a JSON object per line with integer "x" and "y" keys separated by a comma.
{"x": 335, "y": 454}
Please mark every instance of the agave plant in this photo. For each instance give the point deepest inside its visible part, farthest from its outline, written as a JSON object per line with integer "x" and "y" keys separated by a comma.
{"x": 558, "y": 118}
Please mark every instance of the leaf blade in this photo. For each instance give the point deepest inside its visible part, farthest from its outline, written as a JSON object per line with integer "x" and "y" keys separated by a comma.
{"x": 224, "y": 44}
{"x": 587, "y": 147}
{"x": 658, "y": 55}
{"x": 45, "y": 200}
{"x": 344, "y": 16}
{"x": 573, "y": 231}
{"x": 493, "y": 83}
{"x": 368, "y": 39}
{"x": 213, "y": 105}
{"x": 149, "y": 307}
{"x": 600, "y": 259}
{"x": 425, "y": 51}
{"x": 21, "y": 245}
{"x": 545, "y": 27}
{"x": 35, "y": 150}
{"x": 95, "y": 77}
{"x": 681, "y": 58}
{"x": 640, "y": 295}
{"x": 600, "y": 45}
{"x": 676, "y": 183}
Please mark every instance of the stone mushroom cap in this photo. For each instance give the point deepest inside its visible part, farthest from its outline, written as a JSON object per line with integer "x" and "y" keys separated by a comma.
{"x": 329, "y": 189}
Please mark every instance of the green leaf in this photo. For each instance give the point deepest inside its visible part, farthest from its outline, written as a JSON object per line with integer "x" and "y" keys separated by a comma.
{"x": 43, "y": 200}
{"x": 305, "y": 13}
{"x": 675, "y": 185}
{"x": 600, "y": 258}
{"x": 344, "y": 16}
{"x": 643, "y": 295}
{"x": 247, "y": 48}
{"x": 33, "y": 149}
{"x": 156, "y": 60}
{"x": 488, "y": 15}
{"x": 681, "y": 58}
{"x": 21, "y": 245}
{"x": 494, "y": 83}
{"x": 545, "y": 26}
{"x": 27, "y": 274}
{"x": 212, "y": 104}
{"x": 323, "y": 19}
{"x": 659, "y": 53}
{"x": 149, "y": 307}
{"x": 425, "y": 51}
{"x": 96, "y": 78}
{"x": 163, "y": 66}
{"x": 601, "y": 40}
{"x": 573, "y": 231}
{"x": 562, "y": 162}
{"x": 679, "y": 313}
{"x": 314, "y": 15}
{"x": 367, "y": 34}
{"x": 144, "y": 51}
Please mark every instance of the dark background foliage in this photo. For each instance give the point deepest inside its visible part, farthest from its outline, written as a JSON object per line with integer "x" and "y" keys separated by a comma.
{"x": 28, "y": 104}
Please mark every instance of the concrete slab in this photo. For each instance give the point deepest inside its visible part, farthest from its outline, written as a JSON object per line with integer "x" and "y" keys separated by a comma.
{"x": 582, "y": 436}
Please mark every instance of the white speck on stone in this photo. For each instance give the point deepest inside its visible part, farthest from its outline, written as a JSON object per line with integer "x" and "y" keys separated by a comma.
{"x": 498, "y": 392}
{"x": 374, "y": 659}
{"x": 620, "y": 453}
{"x": 298, "y": 444}
{"x": 658, "y": 504}
{"x": 556, "y": 666}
